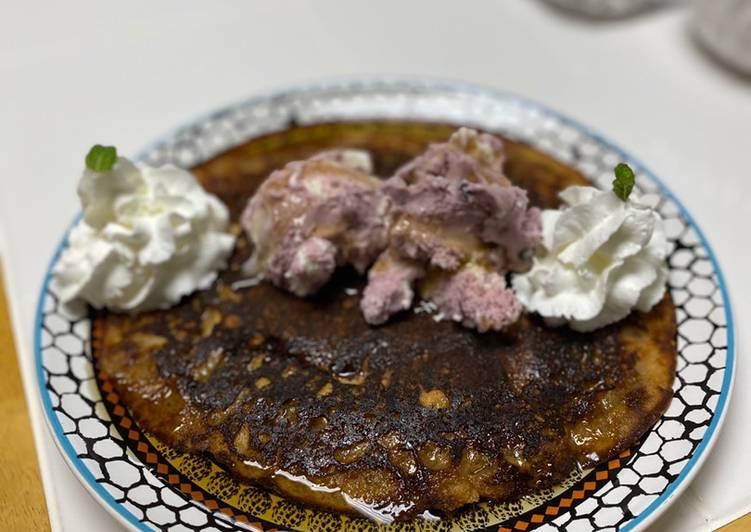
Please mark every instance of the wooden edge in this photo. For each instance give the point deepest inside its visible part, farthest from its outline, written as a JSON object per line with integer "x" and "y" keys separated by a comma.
{"x": 742, "y": 524}
{"x": 21, "y": 492}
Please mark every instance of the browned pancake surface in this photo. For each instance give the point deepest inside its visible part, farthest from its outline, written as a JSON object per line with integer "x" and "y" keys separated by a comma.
{"x": 416, "y": 413}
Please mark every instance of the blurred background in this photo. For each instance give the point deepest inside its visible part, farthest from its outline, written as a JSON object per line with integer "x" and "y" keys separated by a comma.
{"x": 667, "y": 80}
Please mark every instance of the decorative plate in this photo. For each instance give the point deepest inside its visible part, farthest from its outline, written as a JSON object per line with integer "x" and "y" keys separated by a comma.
{"x": 148, "y": 486}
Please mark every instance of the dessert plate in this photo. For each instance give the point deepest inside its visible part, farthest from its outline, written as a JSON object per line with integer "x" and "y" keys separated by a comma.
{"x": 149, "y": 486}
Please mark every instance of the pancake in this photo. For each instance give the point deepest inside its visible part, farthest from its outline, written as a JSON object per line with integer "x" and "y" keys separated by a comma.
{"x": 303, "y": 397}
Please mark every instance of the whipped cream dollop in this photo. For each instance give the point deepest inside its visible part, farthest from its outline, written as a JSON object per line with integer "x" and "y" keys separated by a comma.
{"x": 600, "y": 258}
{"x": 148, "y": 237}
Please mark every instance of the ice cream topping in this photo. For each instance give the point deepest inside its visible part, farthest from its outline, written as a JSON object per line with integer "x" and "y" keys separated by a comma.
{"x": 602, "y": 255}
{"x": 314, "y": 215}
{"x": 457, "y": 225}
{"x": 148, "y": 236}
{"x": 448, "y": 225}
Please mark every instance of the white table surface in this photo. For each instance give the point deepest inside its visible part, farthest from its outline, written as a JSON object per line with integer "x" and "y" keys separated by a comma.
{"x": 75, "y": 73}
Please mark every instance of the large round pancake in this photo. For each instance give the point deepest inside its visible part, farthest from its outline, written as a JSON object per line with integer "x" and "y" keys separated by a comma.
{"x": 413, "y": 415}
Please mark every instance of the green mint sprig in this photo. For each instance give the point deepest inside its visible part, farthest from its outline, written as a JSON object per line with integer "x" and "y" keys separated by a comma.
{"x": 624, "y": 180}
{"x": 101, "y": 158}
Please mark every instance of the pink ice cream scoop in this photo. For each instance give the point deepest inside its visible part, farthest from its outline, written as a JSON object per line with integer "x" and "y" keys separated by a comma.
{"x": 449, "y": 224}
{"x": 476, "y": 297}
{"x": 456, "y": 220}
{"x": 389, "y": 287}
{"x": 314, "y": 215}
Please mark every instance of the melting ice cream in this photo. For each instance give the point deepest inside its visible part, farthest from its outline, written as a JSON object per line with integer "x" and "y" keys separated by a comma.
{"x": 448, "y": 226}
{"x": 457, "y": 226}
{"x": 314, "y": 215}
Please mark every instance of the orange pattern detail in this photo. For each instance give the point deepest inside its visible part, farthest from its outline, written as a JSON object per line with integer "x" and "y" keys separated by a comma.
{"x": 161, "y": 467}
{"x": 213, "y": 504}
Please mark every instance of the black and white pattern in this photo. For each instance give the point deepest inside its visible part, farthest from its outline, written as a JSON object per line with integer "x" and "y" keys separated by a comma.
{"x": 655, "y": 472}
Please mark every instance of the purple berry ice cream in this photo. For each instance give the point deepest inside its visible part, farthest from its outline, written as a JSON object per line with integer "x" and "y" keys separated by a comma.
{"x": 476, "y": 297}
{"x": 389, "y": 289}
{"x": 459, "y": 224}
{"x": 314, "y": 215}
{"x": 448, "y": 225}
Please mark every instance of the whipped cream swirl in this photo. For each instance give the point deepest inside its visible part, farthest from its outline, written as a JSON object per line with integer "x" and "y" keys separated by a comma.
{"x": 601, "y": 257}
{"x": 148, "y": 237}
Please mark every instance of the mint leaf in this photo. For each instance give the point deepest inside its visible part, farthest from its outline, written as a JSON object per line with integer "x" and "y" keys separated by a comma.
{"x": 623, "y": 183}
{"x": 101, "y": 158}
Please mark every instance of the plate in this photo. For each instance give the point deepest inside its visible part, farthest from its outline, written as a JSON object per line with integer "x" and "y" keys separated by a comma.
{"x": 148, "y": 486}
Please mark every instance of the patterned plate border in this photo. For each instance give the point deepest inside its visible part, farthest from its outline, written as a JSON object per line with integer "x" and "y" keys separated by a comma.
{"x": 81, "y": 426}
{"x": 143, "y": 448}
